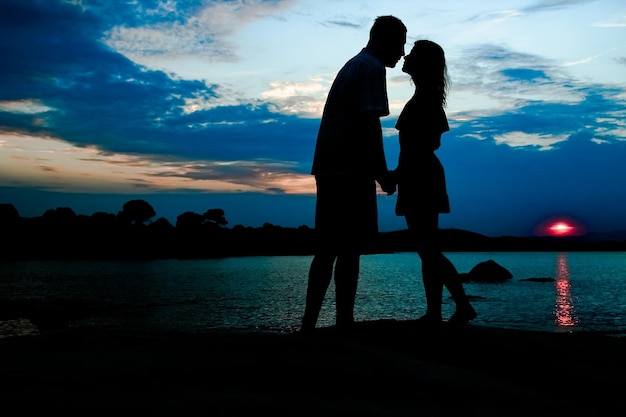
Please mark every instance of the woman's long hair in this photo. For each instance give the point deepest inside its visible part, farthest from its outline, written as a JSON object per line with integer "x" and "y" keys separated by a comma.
{"x": 429, "y": 72}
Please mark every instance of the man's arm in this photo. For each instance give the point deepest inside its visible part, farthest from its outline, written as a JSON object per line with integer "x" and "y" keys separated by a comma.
{"x": 373, "y": 140}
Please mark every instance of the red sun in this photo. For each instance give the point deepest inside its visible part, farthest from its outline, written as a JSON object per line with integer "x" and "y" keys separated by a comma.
{"x": 561, "y": 229}
{"x": 560, "y": 226}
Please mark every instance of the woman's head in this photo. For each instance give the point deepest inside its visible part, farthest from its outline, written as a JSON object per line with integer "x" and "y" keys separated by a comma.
{"x": 426, "y": 64}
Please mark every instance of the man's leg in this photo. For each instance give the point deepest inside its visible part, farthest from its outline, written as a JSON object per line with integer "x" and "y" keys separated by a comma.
{"x": 320, "y": 274}
{"x": 346, "y": 282}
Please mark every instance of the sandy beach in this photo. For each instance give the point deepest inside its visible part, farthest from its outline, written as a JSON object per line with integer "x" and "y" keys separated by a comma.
{"x": 382, "y": 368}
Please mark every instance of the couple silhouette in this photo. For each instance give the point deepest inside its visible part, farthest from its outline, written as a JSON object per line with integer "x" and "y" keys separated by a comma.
{"x": 349, "y": 160}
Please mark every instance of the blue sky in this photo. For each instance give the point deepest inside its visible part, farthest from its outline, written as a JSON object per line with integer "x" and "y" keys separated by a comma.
{"x": 193, "y": 105}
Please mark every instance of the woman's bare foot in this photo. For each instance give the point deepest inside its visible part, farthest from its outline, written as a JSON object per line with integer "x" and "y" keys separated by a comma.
{"x": 462, "y": 316}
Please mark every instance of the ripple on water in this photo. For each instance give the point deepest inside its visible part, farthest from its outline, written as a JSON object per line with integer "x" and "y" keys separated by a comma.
{"x": 17, "y": 327}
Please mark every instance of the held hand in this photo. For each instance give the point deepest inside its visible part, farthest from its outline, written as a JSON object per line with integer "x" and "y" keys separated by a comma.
{"x": 390, "y": 189}
{"x": 388, "y": 183}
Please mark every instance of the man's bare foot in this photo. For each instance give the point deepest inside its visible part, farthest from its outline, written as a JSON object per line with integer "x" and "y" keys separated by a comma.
{"x": 430, "y": 320}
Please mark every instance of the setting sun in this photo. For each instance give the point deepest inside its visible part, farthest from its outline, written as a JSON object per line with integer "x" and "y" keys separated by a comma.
{"x": 560, "y": 226}
{"x": 560, "y": 229}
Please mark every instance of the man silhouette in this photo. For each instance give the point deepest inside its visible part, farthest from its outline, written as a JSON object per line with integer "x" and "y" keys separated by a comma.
{"x": 349, "y": 159}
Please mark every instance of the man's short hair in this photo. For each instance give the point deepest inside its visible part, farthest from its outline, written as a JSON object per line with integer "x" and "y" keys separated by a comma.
{"x": 386, "y": 28}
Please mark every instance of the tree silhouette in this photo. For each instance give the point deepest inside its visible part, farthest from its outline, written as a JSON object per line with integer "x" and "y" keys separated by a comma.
{"x": 162, "y": 224}
{"x": 8, "y": 214}
{"x": 215, "y": 216}
{"x": 60, "y": 215}
{"x": 102, "y": 220}
{"x": 136, "y": 212}
{"x": 189, "y": 220}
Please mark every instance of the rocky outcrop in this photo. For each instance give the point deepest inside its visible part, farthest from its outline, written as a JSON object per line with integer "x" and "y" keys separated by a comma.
{"x": 538, "y": 279}
{"x": 488, "y": 271}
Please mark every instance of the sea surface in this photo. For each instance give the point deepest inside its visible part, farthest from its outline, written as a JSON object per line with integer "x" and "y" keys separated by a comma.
{"x": 585, "y": 291}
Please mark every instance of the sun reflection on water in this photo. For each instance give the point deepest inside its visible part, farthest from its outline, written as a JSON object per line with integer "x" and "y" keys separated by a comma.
{"x": 564, "y": 311}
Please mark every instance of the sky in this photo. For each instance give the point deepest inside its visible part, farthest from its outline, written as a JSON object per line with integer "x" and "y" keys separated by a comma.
{"x": 194, "y": 105}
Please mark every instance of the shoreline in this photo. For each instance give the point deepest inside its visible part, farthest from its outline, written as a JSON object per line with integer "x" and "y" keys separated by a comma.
{"x": 380, "y": 368}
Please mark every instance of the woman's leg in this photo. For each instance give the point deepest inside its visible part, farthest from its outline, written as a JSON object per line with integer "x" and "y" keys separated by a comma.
{"x": 464, "y": 310}
{"x": 433, "y": 285}
{"x": 423, "y": 230}
{"x": 437, "y": 270}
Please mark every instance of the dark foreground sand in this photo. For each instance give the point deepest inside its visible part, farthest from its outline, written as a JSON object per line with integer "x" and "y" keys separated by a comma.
{"x": 382, "y": 368}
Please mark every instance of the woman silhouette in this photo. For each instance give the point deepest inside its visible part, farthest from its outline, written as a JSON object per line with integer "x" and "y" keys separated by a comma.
{"x": 422, "y": 193}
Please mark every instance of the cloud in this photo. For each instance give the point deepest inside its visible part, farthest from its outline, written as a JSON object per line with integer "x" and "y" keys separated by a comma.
{"x": 616, "y": 22}
{"x": 585, "y": 60}
{"x": 499, "y": 16}
{"x": 25, "y": 106}
{"x": 100, "y": 98}
{"x": 343, "y": 23}
{"x": 87, "y": 169}
{"x": 305, "y": 99}
{"x": 204, "y": 30}
{"x": 550, "y": 5}
{"x": 519, "y": 139}
{"x": 530, "y": 102}
{"x": 508, "y": 78}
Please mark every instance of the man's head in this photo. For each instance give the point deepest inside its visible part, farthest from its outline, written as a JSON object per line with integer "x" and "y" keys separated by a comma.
{"x": 387, "y": 39}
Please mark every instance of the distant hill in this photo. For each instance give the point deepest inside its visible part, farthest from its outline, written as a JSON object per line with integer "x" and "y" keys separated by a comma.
{"x": 616, "y": 236}
{"x": 457, "y": 240}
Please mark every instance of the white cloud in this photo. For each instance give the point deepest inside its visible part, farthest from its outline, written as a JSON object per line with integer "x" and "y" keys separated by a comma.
{"x": 305, "y": 99}
{"x": 209, "y": 33}
{"x": 474, "y": 136}
{"x": 616, "y": 22}
{"x": 581, "y": 61}
{"x": 521, "y": 139}
{"x": 24, "y": 106}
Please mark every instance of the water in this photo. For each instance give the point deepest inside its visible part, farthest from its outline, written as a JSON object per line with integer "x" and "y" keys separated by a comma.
{"x": 267, "y": 293}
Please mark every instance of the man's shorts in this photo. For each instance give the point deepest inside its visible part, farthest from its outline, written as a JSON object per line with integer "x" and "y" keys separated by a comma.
{"x": 346, "y": 214}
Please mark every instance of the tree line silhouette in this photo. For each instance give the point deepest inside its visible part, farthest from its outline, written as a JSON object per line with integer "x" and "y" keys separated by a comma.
{"x": 131, "y": 234}
{"x": 60, "y": 233}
